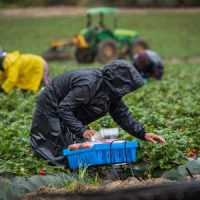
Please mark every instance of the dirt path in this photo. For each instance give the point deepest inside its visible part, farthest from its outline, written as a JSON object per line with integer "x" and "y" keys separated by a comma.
{"x": 78, "y": 188}
{"x": 63, "y": 10}
{"x": 44, "y": 193}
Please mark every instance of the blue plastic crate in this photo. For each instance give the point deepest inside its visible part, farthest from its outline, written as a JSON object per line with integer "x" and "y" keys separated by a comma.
{"x": 102, "y": 154}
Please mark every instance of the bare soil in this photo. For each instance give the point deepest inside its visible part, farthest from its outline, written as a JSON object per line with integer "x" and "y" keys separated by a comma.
{"x": 76, "y": 188}
{"x": 69, "y": 10}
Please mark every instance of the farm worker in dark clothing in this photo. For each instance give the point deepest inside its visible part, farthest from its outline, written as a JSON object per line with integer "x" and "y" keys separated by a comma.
{"x": 148, "y": 64}
{"x": 24, "y": 71}
{"x": 75, "y": 99}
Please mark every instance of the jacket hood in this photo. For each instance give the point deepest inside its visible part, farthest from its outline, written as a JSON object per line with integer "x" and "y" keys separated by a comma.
{"x": 11, "y": 58}
{"x": 122, "y": 77}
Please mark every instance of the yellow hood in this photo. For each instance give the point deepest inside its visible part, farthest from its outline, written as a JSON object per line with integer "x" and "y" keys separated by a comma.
{"x": 11, "y": 58}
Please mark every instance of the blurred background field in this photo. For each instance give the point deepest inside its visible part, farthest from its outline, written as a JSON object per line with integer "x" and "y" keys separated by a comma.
{"x": 171, "y": 34}
{"x": 169, "y": 107}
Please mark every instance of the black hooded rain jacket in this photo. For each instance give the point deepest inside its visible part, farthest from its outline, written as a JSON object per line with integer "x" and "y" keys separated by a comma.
{"x": 75, "y": 99}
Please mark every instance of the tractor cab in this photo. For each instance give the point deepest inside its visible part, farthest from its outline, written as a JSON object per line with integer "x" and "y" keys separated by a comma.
{"x": 101, "y": 28}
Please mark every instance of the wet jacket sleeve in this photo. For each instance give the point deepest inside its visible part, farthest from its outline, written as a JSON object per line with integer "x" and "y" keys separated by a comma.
{"x": 123, "y": 117}
{"x": 66, "y": 109}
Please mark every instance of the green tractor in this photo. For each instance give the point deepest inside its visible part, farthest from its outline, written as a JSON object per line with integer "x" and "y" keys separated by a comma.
{"x": 97, "y": 42}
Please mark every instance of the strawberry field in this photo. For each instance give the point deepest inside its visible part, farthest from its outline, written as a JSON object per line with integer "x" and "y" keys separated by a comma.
{"x": 169, "y": 107}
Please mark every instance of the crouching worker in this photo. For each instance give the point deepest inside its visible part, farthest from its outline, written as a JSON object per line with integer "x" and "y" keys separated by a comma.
{"x": 148, "y": 64}
{"x": 24, "y": 71}
{"x": 75, "y": 99}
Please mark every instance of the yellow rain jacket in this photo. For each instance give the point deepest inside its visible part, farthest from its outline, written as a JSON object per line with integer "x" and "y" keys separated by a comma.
{"x": 24, "y": 71}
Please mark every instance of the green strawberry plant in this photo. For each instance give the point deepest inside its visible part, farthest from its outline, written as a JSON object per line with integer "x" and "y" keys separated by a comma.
{"x": 169, "y": 107}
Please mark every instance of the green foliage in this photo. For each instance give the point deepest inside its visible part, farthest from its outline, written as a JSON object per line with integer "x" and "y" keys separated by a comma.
{"x": 82, "y": 180}
{"x": 84, "y": 177}
{"x": 169, "y": 107}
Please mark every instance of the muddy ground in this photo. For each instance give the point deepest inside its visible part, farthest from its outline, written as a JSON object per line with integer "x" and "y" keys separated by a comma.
{"x": 45, "y": 193}
{"x": 63, "y": 10}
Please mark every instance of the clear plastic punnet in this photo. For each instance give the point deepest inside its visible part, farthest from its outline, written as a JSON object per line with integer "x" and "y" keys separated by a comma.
{"x": 105, "y": 133}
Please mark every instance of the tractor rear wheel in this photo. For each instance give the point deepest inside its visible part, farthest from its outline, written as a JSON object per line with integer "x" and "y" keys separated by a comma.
{"x": 137, "y": 45}
{"x": 107, "y": 51}
{"x": 84, "y": 55}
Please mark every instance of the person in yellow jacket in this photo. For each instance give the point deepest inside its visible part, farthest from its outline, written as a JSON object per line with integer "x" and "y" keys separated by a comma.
{"x": 24, "y": 71}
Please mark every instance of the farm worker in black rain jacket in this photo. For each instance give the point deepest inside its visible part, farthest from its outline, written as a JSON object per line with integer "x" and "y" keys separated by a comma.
{"x": 76, "y": 98}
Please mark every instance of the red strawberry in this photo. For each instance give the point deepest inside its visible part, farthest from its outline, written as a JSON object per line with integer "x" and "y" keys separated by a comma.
{"x": 191, "y": 154}
{"x": 42, "y": 172}
{"x": 87, "y": 145}
{"x": 74, "y": 147}
{"x": 194, "y": 151}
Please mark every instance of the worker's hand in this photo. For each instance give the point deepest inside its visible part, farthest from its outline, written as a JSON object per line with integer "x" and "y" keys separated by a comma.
{"x": 151, "y": 137}
{"x": 89, "y": 133}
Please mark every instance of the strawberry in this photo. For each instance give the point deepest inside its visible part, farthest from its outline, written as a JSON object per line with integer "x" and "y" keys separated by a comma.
{"x": 74, "y": 147}
{"x": 191, "y": 154}
{"x": 194, "y": 151}
{"x": 87, "y": 145}
{"x": 42, "y": 172}
{"x": 80, "y": 145}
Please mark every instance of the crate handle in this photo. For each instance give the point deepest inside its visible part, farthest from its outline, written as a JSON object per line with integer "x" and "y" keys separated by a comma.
{"x": 125, "y": 147}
